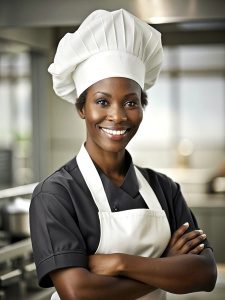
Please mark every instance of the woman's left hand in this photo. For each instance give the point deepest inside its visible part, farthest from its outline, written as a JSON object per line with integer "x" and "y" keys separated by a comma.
{"x": 104, "y": 264}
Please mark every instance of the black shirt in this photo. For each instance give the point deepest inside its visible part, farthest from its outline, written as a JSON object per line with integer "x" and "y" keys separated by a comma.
{"x": 64, "y": 219}
{"x": 126, "y": 196}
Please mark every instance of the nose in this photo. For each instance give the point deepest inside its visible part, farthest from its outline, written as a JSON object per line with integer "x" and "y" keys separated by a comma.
{"x": 116, "y": 114}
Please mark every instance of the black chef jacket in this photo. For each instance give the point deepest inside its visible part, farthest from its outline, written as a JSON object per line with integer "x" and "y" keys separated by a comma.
{"x": 64, "y": 221}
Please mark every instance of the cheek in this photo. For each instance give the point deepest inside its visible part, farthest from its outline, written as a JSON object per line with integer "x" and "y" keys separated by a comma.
{"x": 137, "y": 117}
{"x": 93, "y": 116}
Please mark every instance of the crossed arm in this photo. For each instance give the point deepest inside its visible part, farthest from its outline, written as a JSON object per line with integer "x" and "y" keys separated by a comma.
{"x": 127, "y": 277}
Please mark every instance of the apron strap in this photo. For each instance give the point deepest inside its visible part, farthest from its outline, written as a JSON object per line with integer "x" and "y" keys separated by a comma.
{"x": 147, "y": 192}
{"x": 94, "y": 183}
{"x": 92, "y": 180}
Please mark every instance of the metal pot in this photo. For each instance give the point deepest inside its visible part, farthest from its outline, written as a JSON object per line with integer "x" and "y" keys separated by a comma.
{"x": 15, "y": 217}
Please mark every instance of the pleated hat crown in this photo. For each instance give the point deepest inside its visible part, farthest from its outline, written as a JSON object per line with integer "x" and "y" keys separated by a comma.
{"x": 107, "y": 44}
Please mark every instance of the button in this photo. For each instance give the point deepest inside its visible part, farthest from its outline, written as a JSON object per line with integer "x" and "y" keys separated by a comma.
{"x": 115, "y": 208}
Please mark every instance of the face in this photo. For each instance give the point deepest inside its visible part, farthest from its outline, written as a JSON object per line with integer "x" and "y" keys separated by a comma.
{"x": 113, "y": 113}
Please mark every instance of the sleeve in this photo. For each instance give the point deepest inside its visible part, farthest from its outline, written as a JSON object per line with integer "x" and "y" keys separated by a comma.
{"x": 182, "y": 212}
{"x": 56, "y": 239}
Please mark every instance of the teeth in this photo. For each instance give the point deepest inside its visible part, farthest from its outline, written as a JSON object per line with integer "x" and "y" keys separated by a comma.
{"x": 114, "y": 132}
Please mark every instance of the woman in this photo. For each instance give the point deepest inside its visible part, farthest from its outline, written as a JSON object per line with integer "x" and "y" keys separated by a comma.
{"x": 134, "y": 220}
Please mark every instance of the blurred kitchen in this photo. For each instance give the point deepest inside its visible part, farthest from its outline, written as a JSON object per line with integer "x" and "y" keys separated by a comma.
{"x": 182, "y": 135}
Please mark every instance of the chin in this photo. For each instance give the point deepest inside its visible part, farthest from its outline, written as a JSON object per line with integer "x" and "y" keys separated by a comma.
{"x": 113, "y": 147}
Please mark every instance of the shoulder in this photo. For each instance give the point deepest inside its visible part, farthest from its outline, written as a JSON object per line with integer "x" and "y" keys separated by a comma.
{"x": 155, "y": 178}
{"x": 59, "y": 182}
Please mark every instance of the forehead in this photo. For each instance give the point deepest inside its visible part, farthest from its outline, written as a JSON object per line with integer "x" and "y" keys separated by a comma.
{"x": 115, "y": 84}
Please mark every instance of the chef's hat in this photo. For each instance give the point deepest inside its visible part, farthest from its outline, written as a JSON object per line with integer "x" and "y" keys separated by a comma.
{"x": 107, "y": 44}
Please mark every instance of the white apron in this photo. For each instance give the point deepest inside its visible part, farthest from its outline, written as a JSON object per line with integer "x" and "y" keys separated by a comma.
{"x": 142, "y": 232}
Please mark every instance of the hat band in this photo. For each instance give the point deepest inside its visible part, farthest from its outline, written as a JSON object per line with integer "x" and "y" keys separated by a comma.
{"x": 108, "y": 64}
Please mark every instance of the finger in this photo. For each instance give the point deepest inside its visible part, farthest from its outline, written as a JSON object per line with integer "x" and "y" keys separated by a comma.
{"x": 178, "y": 233}
{"x": 192, "y": 243}
{"x": 197, "y": 249}
{"x": 185, "y": 238}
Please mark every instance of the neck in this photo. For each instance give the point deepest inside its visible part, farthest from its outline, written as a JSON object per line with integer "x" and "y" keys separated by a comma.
{"x": 112, "y": 164}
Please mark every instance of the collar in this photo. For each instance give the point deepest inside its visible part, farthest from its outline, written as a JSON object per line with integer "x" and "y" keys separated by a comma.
{"x": 129, "y": 184}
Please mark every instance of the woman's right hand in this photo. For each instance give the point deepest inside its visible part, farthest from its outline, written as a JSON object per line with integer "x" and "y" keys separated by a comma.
{"x": 185, "y": 243}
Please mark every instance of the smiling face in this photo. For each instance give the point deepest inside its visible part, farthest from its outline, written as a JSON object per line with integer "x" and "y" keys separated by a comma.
{"x": 113, "y": 113}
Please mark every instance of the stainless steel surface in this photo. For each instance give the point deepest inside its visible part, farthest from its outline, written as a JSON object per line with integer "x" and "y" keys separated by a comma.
{"x": 14, "y": 211}
{"x": 15, "y": 250}
{"x": 29, "y": 271}
{"x": 70, "y": 12}
{"x": 17, "y": 224}
{"x": 15, "y": 217}
{"x": 10, "y": 278}
{"x": 17, "y": 191}
{"x": 18, "y": 279}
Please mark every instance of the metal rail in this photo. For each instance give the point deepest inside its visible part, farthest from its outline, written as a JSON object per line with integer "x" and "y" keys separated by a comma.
{"x": 15, "y": 250}
{"x": 18, "y": 191}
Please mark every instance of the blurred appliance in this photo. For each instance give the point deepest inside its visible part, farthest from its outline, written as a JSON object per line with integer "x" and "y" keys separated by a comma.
{"x": 18, "y": 279}
{"x": 15, "y": 217}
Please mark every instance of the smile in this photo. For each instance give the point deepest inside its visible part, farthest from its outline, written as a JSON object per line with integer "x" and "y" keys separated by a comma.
{"x": 114, "y": 132}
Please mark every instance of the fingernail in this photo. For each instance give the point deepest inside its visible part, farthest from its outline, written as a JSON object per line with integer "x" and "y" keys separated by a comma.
{"x": 204, "y": 236}
{"x": 186, "y": 224}
{"x": 200, "y": 231}
{"x": 201, "y": 245}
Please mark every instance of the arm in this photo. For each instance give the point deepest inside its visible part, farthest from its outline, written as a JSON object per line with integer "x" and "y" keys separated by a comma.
{"x": 178, "y": 274}
{"x": 175, "y": 272}
{"x": 79, "y": 283}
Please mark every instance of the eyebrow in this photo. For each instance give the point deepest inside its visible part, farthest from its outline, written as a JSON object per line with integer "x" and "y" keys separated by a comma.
{"x": 130, "y": 94}
{"x": 110, "y": 96}
{"x": 106, "y": 94}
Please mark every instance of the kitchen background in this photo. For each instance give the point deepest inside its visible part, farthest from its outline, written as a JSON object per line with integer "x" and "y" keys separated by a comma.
{"x": 182, "y": 135}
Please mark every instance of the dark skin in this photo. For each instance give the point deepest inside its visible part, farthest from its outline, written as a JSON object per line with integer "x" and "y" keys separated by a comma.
{"x": 115, "y": 104}
{"x": 175, "y": 272}
{"x": 111, "y": 107}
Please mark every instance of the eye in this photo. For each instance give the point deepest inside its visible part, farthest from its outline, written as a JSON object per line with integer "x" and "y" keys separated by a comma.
{"x": 131, "y": 103}
{"x": 102, "y": 102}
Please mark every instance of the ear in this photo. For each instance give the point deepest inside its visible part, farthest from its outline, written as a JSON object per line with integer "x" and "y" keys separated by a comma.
{"x": 81, "y": 111}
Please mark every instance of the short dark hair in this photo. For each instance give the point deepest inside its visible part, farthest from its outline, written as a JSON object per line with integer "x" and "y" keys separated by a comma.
{"x": 81, "y": 100}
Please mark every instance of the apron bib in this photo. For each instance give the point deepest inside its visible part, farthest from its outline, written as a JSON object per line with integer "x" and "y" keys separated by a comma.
{"x": 142, "y": 232}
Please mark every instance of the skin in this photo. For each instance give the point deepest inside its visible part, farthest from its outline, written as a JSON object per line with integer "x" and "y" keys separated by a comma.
{"x": 112, "y": 103}
{"x": 115, "y": 103}
{"x": 175, "y": 272}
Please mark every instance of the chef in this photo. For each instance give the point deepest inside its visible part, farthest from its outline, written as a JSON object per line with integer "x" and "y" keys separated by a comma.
{"x": 101, "y": 227}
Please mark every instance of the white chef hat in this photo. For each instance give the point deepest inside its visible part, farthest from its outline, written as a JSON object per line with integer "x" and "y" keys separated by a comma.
{"x": 107, "y": 44}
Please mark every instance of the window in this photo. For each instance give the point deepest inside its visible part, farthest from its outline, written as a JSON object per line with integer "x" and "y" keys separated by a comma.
{"x": 15, "y": 119}
{"x": 186, "y": 104}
